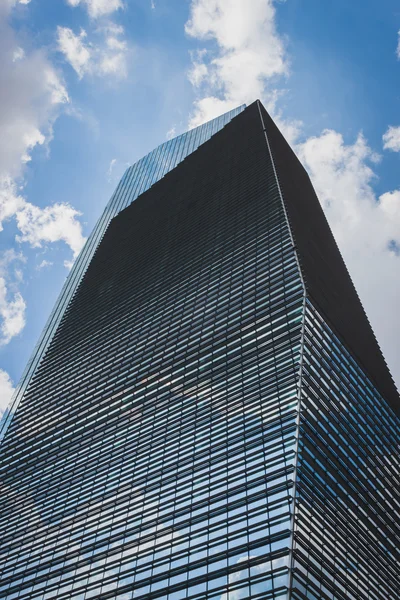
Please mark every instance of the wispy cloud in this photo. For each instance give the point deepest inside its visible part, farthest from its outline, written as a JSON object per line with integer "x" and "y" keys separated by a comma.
{"x": 104, "y": 55}
{"x": 33, "y": 94}
{"x": 12, "y": 304}
{"x": 19, "y": 53}
{"x": 98, "y": 8}
{"x": 110, "y": 170}
{"x": 75, "y": 50}
{"x": 6, "y": 390}
{"x": 44, "y": 264}
{"x": 199, "y": 71}
{"x": 12, "y": 313}
{"x": 391, "y": 139}
{"x": 171, "y": 133}
{"x": 38, "y": 226}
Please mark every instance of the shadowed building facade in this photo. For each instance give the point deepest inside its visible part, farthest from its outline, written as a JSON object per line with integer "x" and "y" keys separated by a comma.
{"x": 213, "y": 417}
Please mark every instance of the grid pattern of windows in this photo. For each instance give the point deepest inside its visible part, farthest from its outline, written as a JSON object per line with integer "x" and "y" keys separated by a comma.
{"x": 326, "y": 278}
{"x": 347, "y": 534}
{"x": 196, "y": 429}
{"x": 153, "y": 454}
{"x": 136, "y": 180}
{"x": 346, "y": 542}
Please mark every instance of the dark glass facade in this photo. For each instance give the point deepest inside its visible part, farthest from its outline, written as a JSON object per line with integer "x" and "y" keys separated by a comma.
{"x": 137, "y": 179}
{"x": 203, "y": 424}
{"x": 347, "y": 534}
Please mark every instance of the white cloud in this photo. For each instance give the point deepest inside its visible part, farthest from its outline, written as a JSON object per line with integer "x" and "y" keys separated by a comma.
{"x": 54, "y": 223}
{"x": 19, "y": 53}
{"x": 171, "y": 133}
{"x": 111, "y": 28}
{"x": 366, "y": 227}
{"x": 391, "y": 139}
{"x": 115, "y": 44}
{"x": 98, "y": 8}
{"x": 108, "y": 57}
{"x": 6, "y": 390}
{"x": 12, "y": 313}
{"x": 111, "y": 166}
{"x": 31, "y": 139}
{"x": 8, "y": 4}
{"x": 198, "y": 74}
{"x": 115, "y": 169}
{"x": 10, "y": 201}
{"x": 76, "y": 53}
{"x": 113, "y": 60}
{"x": 199, "y": 70}
{"x": 31, "y": 94}
{"x": 7, "y": 258}
{"x": 38, "y": 226}
{"x": 12, "y": 305}
{"x": 68, "y": 264}
{"x": 44, "y": 264}
{"x": 398, "y": 46}
{"x": 250, "y": 53}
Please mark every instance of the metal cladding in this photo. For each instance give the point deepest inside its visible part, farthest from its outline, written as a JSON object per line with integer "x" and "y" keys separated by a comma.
{"x": 200, "y": 426}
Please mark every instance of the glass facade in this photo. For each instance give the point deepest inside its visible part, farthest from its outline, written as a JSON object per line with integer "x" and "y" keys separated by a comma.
{"x": 137, "y": 179}
{"x": 347, "y": 540}
{"x": 196, "y": 429}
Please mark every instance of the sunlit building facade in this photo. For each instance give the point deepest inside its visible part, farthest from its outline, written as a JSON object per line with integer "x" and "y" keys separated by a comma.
{"x": 212, "y": 416}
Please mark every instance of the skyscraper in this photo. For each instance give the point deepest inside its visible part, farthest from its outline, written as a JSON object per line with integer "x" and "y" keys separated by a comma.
{"x": 213, "y": 417}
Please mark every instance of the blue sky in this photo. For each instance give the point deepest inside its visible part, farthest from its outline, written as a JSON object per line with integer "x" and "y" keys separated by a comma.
{"x": 89, "y": 86}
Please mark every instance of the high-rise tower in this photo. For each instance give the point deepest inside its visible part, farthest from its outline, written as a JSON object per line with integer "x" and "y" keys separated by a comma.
{"x": 213, "y": 417}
